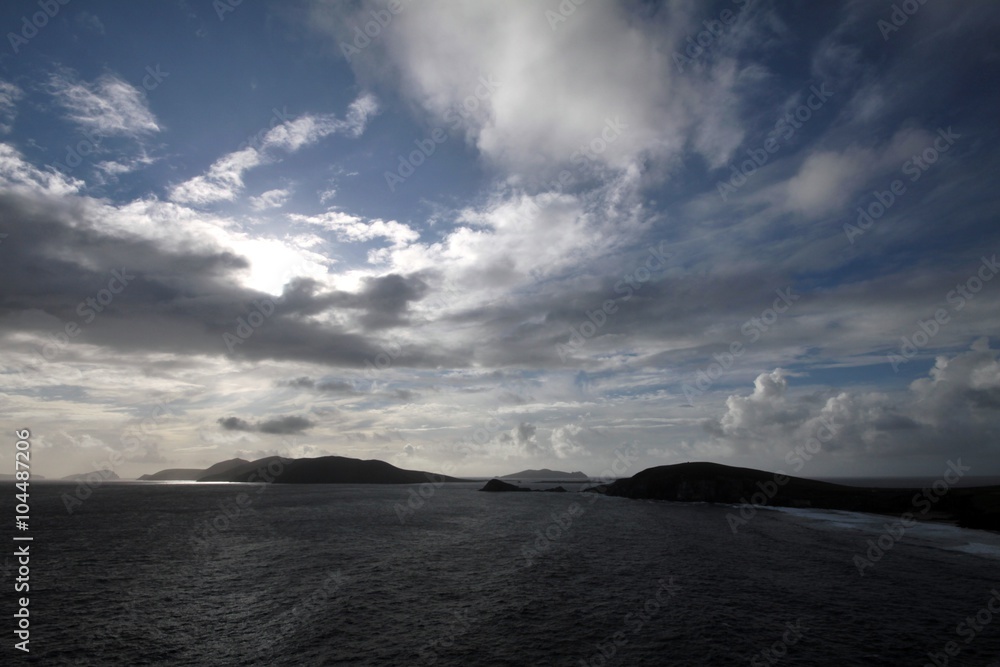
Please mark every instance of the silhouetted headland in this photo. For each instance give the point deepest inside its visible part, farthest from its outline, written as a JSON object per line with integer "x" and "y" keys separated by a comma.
{"x": 322, "y": 470}
{"x": 970, "y": 507}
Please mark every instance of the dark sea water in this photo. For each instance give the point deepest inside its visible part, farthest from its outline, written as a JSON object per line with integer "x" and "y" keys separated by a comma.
{"x": 332, "y": 575}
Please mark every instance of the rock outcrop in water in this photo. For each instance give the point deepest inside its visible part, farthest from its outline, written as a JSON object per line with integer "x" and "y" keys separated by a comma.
{"x": 972, "y": 507}
{"x": 496, "y": 486}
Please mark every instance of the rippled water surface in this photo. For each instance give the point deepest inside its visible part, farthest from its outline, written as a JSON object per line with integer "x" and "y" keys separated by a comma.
{"x": 224, "y": 574}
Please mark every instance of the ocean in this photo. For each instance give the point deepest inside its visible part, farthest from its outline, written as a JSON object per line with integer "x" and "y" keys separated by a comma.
{"x": 241, "y": 574}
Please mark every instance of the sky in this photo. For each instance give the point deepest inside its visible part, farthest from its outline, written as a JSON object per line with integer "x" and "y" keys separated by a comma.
{"x": 478, "y": 236}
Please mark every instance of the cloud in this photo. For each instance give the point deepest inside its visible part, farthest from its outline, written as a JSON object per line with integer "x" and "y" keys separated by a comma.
{"x": 224, "y": 179}
{"x": 528, "y": 109}
{"x": 108, "y": 105}
{"x": 18, "y": 175}
{"x": 90, "y": 22}
{"x": 236, "y": 424}
{"x": 222, "y": 182}
{"x": 288, "y": 425}
{"x": 187, "y": 291}
{"x": 351, "y": 228}
{"x": 124, "y": 165}
{"x": 10, "y": 94}
{"x": 956, "y": 402}
{"x": 322, "y": 386}
{"x": 565, "y": 442}
{"x": 521, "y": 441}
{"x": 270, "y": 199}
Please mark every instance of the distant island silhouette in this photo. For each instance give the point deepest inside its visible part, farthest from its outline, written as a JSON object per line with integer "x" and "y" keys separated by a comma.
{"x": 320, "y": 470}
{"x": 970, "y": 507}
{"x": 546, "y": 475}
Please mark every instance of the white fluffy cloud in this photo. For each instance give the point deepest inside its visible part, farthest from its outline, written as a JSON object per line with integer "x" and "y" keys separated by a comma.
{"x": 958, "y": 402}
{"x": 271, "y": 199}
{"x": 351, "y": 228}
{"x": 224, "y": 179}
{"x": 108, "y": 105}
{"x": 532, "y": 96}
{"x": 21, "y": 176}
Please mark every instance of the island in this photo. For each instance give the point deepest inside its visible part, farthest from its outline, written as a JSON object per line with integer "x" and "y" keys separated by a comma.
{"x": 970, "y": 507}
{"x": 546, "y": 475}
{"x": 322, "y": 470}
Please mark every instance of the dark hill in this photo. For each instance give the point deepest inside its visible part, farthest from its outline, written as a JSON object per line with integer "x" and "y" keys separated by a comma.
{"x": 547, "y": 475}
{"x": 323, "y": 470}
{"x": 973, "y": 507}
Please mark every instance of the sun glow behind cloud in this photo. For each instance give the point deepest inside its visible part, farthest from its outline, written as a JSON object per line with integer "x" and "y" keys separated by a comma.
{"x": 553, "y": 269}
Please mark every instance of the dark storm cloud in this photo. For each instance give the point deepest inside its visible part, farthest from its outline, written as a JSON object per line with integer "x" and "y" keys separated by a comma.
{"x": 288, "y": 425}
{"x": 236, "y": 424}
{"x": 322, "y": 386}
{"x": 145, "y": 297}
